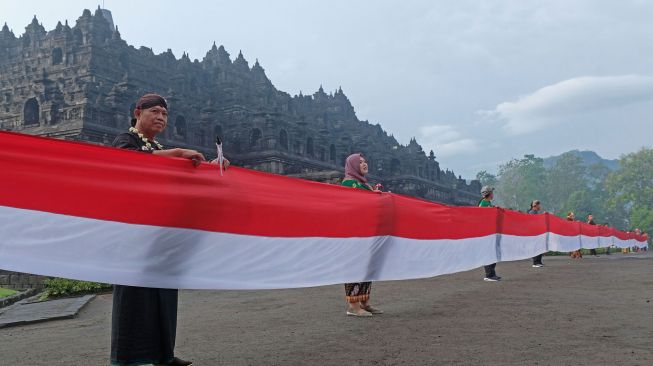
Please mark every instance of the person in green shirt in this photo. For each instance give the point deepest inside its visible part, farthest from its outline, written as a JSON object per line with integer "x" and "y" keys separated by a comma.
{"x": 358, "y": 294}
{"x": 487, "y": 194}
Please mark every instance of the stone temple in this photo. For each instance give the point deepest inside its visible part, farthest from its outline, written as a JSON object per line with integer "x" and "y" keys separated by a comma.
{"x": 81, "y": 83}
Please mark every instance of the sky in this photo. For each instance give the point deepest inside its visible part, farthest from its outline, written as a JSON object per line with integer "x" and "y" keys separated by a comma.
{"x": 478, "y": 82}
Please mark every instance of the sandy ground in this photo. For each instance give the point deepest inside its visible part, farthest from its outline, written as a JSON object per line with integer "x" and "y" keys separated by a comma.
{"x": 594, "y": 311}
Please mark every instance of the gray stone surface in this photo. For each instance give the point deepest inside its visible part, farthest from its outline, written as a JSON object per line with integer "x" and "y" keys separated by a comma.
{"x": 29, "y": 311}
{"x": 80, "y": 82}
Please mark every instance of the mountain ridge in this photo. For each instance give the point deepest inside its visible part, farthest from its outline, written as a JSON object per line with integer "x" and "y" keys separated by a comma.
{"x": 589, "y": 158}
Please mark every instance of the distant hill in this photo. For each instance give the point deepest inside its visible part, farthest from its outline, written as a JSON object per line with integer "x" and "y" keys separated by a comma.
{"x": 589, "y": 158}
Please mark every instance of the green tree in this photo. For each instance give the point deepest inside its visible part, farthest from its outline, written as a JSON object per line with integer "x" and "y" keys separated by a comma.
{"x": 520, "y": 181}
{"x": 486, "y": 178}
{"x": 565, "y": 178}
{"x": 586, "y": 200}
{"x": 642, "y": 218}
{"x": 597, "y": 174}
{"x": 580, "y": 203}
{"x": 631, "y": 189}
{"x": 623, "y": 199}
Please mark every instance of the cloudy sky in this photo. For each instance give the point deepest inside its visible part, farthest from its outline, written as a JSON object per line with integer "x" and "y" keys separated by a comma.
{"x": 479, "y": 82}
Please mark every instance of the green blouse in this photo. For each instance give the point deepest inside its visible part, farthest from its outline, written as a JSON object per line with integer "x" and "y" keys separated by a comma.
{"x": 355, "y": 184}
{"x": 485, "y": 203}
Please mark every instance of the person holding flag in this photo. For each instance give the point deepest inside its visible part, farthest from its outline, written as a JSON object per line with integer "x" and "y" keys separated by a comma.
{"x": 576, "y": 253}
{"x": 144, "y": 320}
{"x": 534, "y": 210}
{"x": 487, "y": 194}
{"x": 357, "y": 294}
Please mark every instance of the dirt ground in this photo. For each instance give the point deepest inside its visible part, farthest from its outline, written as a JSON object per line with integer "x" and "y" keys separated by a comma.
{"x": 594, "y": 311}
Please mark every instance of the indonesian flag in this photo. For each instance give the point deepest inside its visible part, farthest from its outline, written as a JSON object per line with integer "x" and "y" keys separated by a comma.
{"x": 95, "y": 213}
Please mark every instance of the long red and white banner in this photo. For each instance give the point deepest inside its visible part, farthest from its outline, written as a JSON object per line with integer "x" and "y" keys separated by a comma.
{"x": 94, "y": 213}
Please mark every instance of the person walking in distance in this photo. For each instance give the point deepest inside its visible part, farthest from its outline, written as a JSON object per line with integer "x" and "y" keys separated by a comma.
{"x": 487, "y": 195}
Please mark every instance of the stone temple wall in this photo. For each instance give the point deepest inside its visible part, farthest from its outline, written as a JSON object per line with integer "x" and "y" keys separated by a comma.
{"x": 21, "y": 281}
{"x": 81, "y": 83}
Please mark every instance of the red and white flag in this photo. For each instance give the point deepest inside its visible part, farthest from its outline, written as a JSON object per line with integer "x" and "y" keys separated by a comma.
{"x": 95, "y": 213}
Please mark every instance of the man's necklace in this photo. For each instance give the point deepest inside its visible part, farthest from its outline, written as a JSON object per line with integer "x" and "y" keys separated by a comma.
{"x": 148, "y": 144}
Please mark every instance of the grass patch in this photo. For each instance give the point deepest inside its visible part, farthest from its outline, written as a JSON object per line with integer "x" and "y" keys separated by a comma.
{"x": 5, "y": 292}
{"x": 62, "y": 287}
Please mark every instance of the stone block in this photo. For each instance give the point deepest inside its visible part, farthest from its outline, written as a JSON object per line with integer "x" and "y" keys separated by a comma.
{"x": 4, "y": 280}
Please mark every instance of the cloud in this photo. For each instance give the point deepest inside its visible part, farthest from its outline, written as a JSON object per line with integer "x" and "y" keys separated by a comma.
{"x": 458, "y": 147}
{"x": 568, "y": 99}
{"x": 439, "y": 133}
{"x": 446, "y": 140}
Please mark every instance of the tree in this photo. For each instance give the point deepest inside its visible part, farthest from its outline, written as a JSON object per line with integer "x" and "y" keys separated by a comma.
{"x": 604, "y": 212}
{"x": 623, "y": 199}
{"x": 486, "y": 178}
{"x": 586, "y": 200}
{"x": 597, "y": 174}
{"x": 520, "y": 181}
{"x": 580, "y": 203}
{"x": 631, "y": 189}
{"x": 566, "y": 177}
{"x": 642, "y": 218}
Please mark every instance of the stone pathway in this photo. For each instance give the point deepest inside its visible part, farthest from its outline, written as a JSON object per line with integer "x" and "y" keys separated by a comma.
{"x": 28, "y": 311}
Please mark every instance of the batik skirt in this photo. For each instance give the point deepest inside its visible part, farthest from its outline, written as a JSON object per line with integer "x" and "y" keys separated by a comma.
{"x": 358, "y": 292}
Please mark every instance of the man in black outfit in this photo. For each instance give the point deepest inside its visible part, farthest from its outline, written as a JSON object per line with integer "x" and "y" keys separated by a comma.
{"x": 144, "y": 320}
